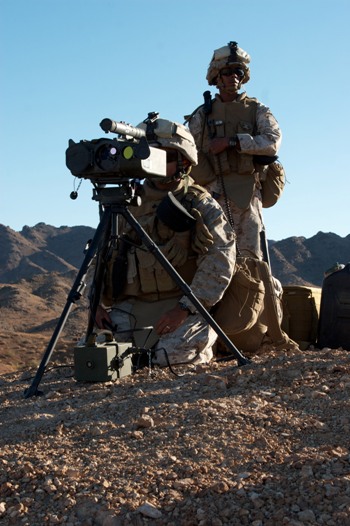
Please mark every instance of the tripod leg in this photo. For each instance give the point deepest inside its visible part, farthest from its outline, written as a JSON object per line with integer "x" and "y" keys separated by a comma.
{"x": 152, "y": 247}
{"x": 96, "y": 287}
{"x": 74, "y": 295}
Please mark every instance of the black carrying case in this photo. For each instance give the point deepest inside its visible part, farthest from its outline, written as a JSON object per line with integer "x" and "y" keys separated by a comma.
{"x": 334, "y": 321}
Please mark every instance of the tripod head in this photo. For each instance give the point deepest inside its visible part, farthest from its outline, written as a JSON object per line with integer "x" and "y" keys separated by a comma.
{"x": 123, "y": 195}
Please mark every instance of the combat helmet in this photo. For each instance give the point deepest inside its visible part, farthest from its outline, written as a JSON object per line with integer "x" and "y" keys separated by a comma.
{"x": 229, "y": 55}
{"x": 169, "y": 134}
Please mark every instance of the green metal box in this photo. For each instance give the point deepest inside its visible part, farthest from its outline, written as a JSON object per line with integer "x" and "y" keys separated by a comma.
{"x": 101, "y": 362}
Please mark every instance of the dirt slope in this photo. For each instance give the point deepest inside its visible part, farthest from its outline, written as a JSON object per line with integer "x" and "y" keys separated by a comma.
{"x": 266, "y": 444}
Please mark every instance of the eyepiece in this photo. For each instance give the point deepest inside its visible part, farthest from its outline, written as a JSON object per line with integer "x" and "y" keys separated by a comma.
{"x": 121, "y": 128}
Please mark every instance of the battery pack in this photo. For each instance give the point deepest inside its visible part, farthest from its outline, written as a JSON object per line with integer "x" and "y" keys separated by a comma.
{"x": 102, "y": 362}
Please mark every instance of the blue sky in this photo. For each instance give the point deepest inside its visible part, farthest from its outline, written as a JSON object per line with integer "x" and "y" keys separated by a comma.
{"x": 67, "y": 64}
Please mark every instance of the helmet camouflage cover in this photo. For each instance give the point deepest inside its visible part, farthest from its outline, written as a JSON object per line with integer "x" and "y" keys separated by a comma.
{"x": 169, "y": 134}
{"x": 229, "y": 55}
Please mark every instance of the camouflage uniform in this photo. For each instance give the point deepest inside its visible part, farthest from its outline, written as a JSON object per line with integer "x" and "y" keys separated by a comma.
{"x": 233, "y": 176}
{"x": 150, "y": 290}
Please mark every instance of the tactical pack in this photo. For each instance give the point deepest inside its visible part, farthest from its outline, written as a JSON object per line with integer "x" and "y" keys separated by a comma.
{"x": 273, "y": 180}
{"x": 242, "y": 303}
{"x": 301, "y": 309}
{"x": 250, "y": 312}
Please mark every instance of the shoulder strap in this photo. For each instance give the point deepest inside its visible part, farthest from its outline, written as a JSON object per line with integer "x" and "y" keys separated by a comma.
{"x": 206, "y": 106}
{"x": 280, "y": 338}
{"x": 274, "y": 329}
{"x": 189, "y": 117}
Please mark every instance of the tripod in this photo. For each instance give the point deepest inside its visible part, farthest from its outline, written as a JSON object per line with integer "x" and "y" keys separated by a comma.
{"x": 115, "y": 201}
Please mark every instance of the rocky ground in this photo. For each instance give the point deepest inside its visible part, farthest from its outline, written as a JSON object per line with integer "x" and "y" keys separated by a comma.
{"x": 265, "y": 444}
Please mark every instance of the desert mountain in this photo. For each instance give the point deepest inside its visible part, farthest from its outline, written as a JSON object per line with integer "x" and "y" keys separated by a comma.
{"x": 43, "y": 249}
{"x": 301, "y": 261}
{"x": 39, "y": 264}
{"x": 40, "y": 250}
{"x": 38, "y": 267}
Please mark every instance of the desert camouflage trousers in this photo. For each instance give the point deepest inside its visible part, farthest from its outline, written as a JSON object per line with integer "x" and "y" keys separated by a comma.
{"x": 191, "y": 343}
{"x": 247, "y": 222}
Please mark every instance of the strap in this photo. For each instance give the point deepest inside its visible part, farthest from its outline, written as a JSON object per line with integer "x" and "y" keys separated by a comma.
{"x": 274, "y": 329}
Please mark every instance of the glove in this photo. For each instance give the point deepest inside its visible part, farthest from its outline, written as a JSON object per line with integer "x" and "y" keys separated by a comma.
{"x": 202, "y": 239}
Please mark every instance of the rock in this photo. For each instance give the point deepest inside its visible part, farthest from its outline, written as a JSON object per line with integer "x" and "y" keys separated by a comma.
{"x": 148, "y": 510}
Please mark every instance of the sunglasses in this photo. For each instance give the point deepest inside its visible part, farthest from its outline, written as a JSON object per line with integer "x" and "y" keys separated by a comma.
{"x": 227, "y": 72}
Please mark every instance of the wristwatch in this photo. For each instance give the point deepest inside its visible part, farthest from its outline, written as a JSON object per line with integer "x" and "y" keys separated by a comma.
{"x": 185, "y": 307}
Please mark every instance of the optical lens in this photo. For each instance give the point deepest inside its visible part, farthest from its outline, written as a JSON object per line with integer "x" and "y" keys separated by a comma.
{"x": 128, "y": 152}
{"x": 107, "y": 157}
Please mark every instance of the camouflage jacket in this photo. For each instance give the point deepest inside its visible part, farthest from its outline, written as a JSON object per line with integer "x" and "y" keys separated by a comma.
{"x": 265, "y": 139}
{"x": 258, "y": 133}
{"x": 207, "y": 271}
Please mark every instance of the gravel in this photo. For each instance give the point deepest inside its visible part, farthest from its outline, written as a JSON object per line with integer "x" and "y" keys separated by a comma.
{"x": 265, "y": 444}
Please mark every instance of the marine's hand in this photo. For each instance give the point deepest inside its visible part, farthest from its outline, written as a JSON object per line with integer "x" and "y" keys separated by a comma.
{"x": 171, "y": 320}
{"x": 218, "y": 145}
{"x": 102, "y": 318}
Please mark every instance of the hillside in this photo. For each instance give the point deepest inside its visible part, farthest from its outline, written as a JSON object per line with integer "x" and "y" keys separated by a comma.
{"x": 39, "y": 264}
{"x": 44, "y": 249}
{"x": 301, "y": 261}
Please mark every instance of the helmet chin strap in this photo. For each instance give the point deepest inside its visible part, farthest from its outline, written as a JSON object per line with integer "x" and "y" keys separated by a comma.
{"x": 178, "y": 175}
{"x": 182, "y": 170}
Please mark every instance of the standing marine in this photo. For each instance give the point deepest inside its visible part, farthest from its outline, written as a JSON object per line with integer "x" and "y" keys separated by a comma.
{"x": 237, "y": 137}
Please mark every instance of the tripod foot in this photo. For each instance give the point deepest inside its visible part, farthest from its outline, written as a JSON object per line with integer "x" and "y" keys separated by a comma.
{"x": 32, "y": 392}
